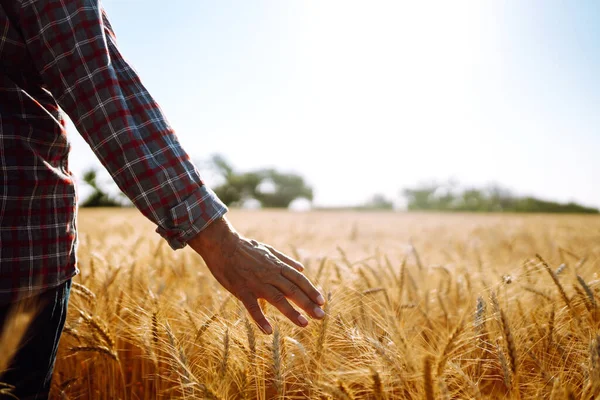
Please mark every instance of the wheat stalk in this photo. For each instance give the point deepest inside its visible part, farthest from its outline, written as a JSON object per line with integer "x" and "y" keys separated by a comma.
{"x": 550, "y": 334}
{"x": 450, "y": 344}
{"x": 345, "y": 391}
{"x": 205, "y": 326}
{"x": 539, "y": 293}
{"x": 277, "y": 362}
{"x": 225, "y": 356}
{"x": 588, "y": 291}
{"x": 321, "y": 269}
{"x": 561, "y": 290}
{"x": 377, "y": 385}
{"x": 506, "y": 371}
{"x": 321, "y": 340}
{"x": 95, "y": 349}
{"x": 100, "y": 329}
{"x": 86, "y": 293}
{"x": 251, "y": 341}
{"x": 427, "y": 378}
{"x": 510, "y": 342}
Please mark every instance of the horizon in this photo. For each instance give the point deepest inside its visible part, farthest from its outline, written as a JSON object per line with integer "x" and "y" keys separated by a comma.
{"x": 371, "y": 99}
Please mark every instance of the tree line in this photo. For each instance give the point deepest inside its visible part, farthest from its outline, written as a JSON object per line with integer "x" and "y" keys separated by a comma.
{"x": 275, "y": 189}
{"x": 436, "y": 197}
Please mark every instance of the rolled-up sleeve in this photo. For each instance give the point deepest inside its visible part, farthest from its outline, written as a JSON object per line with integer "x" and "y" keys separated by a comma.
{"x": 78, "y": 59}
{"x": 190, "y": 216}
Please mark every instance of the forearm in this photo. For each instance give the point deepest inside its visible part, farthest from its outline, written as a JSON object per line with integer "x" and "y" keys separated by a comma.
{"x": 80, "y": 63}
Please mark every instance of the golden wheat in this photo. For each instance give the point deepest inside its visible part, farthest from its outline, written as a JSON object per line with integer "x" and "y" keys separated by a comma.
{"x": 148, "y": 323}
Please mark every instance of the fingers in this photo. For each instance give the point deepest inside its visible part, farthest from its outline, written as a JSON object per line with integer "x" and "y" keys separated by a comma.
{"x": 251, "y": 304}
{"x": 294, "y": 293}
{"x": 274, "y": 276}
{"x": 277, "y": 298}
{"x": 286, "y": 259}
{"x": 303, "y": 283}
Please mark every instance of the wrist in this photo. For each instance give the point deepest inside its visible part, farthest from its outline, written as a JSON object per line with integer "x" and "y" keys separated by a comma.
{"x": 219, "y": 235}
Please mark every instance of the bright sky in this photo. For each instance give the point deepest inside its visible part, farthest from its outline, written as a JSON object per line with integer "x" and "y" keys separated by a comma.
{"x": 372, "y": 96}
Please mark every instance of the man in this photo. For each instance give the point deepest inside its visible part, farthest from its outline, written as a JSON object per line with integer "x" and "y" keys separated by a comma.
{"x": 62, "y": 55}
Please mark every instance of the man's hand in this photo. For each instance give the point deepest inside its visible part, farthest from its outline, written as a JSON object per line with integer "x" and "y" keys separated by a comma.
{"x": 251, "y": 270}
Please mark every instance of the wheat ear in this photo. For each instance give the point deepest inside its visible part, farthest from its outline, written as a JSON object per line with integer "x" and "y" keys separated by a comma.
{"x": 427, "y": 378}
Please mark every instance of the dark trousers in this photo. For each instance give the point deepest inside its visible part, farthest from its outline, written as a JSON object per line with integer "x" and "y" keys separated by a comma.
{"x": 30, "y": 371}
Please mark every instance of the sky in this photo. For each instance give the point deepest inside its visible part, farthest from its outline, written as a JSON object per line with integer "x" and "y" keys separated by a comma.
{"x": 364, "y": 97}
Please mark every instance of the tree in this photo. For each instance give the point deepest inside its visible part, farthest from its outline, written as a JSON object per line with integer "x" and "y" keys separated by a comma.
{"x": 421, "y": 197}
{"x": 378, "y": 202}
{"x": 98, "y": 198}
{"x": 284, "y": 188}
{"x": 221, "y": 165}
{"x": 269, "y": 186}
{"x": 472, "y": 200}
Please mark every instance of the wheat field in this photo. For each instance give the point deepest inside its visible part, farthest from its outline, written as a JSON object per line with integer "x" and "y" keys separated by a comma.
{"x": 418, "y": 306}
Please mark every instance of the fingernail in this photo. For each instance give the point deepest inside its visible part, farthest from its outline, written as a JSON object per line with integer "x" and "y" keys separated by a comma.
{"x": 319, "y": 313}
{"x": 267, "y": 329}
{"x": 302, "y": 319}
{"x": 320, "y": 300}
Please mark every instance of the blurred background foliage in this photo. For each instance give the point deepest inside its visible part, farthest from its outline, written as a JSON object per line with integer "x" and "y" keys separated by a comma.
{"x": 450, "y": 197}
{"x": 272, "y": 188}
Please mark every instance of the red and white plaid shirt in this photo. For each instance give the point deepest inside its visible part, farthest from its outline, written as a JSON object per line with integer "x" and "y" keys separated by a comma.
{"x": 62, "y": 55}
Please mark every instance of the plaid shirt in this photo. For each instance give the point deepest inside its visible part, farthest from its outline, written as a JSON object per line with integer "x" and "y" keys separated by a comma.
{"x": 62, "y": 55}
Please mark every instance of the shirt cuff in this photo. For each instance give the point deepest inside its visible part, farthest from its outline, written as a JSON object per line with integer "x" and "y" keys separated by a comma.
{"x": 191, "y": 216}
